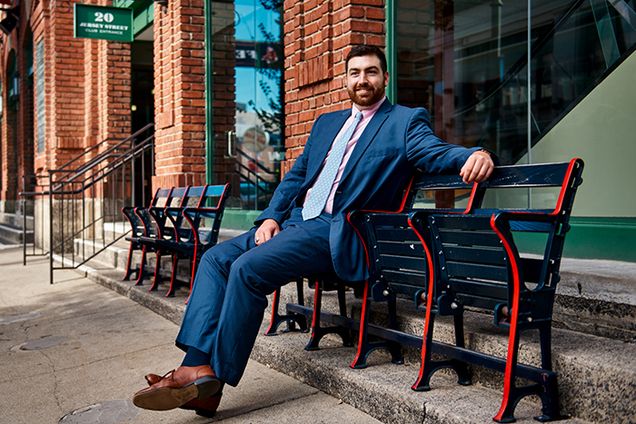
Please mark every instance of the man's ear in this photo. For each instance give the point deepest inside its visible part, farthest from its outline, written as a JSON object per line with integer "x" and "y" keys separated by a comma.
{"x": 386, "y": 79}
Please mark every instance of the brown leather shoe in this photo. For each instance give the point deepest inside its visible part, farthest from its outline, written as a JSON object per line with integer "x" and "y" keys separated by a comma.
{"x": 177, "y": 388}
{"x": 152, "y": 378}
{"x": 204, "y": 407}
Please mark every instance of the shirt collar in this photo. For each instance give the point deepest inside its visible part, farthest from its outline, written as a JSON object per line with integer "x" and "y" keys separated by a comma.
{"x": 370, "y": 111}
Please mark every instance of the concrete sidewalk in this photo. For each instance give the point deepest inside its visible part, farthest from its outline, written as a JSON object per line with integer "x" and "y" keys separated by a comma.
{"x": 76, "y": 346}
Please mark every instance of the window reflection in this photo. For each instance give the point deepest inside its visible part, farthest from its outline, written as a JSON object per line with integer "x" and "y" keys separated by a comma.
{"x": 466, "y": 62}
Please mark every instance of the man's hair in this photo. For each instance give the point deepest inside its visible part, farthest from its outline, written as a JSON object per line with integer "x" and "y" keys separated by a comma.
{"x": 365, "y": 50}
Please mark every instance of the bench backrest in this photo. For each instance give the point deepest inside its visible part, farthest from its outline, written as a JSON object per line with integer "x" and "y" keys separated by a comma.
{"x": 205, "y": 219}
{"x": 192, "y": 198}
{"x": 396, "y": 258}
{"x": 159, "y": 200}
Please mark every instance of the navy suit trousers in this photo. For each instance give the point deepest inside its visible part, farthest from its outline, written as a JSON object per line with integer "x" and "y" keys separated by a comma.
{"x": 228, "y": 300}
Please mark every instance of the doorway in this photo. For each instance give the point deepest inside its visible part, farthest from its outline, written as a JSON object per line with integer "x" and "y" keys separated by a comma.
{"x": 247, "y": 117}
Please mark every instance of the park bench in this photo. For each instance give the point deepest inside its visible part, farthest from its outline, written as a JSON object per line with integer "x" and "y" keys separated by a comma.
{"x": 184, "y": 225}
{"x": 155, "y": 228}
{"x": 196, "y": 229}
{"x": 326, "y": 323}
{"x": 175, "y": 235}
{"x": 141, "y": 225}
{"x": 448, "y": 259}
{"x": 478, "y": 265}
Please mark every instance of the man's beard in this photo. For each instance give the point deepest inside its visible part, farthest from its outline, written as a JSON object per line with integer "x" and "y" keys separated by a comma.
{"x": 376, "y": 94}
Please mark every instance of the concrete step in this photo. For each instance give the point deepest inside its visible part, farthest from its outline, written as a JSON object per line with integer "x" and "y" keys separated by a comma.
{"x": 593, "y": 297}
{"x": 10, "y": 234}
{"x": 15, "y": 220}
{"x": 597, "y": 376}
{"x": 116, "y": 255}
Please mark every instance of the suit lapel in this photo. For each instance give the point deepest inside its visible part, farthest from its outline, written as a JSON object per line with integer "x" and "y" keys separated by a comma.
{"x": 320, "y": 149}
{"x": 367, "y": 137}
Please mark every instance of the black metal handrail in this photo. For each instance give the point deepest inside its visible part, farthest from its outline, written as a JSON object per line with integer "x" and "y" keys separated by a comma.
{"x": 87, "y": 164}
{"x": 263, "y": 188}
{"x": 83, "y": 199}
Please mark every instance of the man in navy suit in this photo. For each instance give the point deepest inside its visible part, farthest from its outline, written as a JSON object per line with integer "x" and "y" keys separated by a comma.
{"x": 374, "y": 148}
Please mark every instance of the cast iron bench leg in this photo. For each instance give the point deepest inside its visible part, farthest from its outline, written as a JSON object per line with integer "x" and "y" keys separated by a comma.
{"x": 141, "y": 271}
{"x": 173, "y": 276}
{"x": 157, "y": 277}
{"x": 428, "y": 367}
{"x": 129, "y": 271}
{"x": 291, "y": 319}
{"x": 318, "y": 332}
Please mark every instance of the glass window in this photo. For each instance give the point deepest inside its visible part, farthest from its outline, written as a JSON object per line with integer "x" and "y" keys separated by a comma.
{"x": 466, "y": 61}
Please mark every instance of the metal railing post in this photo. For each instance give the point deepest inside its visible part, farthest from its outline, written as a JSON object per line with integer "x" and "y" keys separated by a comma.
{"x": 24, "y": 221}
{"x": 50, "y": 227}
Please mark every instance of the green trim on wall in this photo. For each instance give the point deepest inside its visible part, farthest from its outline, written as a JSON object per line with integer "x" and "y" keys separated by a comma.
{"x": 239, "y": 219}
{"x": 390, "y": 51}
{"x": 588, "y": 238}
{"x": 591, "y": 238}
{"x": 209, "y": 98}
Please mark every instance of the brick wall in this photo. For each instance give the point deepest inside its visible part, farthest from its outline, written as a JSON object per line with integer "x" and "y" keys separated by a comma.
{"x": 318, "y": 36}
{"x": 179, "y": 63}
{"x": 87, "y": 86}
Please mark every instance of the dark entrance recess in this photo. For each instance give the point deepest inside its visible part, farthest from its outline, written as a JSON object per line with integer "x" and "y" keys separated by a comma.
{"x": 142, "y": 107}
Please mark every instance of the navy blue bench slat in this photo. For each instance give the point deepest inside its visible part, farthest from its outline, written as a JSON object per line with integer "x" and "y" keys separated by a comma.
{"x": 473, "y": 270}
{"x": 403, "y": 262}
{"x": 461, "y": 238}
{"x": 536, "y": 175}
{"x": 395, "y": 234}
{"x": 493, "y": 289}
{"x": 405, "y": 248}
{"x": 481, "y": 255}
{"x": 402, "y": 277}
{"x": 461, "y": 222}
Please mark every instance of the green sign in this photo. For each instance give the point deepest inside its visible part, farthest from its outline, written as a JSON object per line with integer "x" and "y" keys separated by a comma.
{"x": 105, "y": 23}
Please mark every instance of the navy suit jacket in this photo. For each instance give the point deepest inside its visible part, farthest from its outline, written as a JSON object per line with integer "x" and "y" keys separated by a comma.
{"x": 396, "y": 142}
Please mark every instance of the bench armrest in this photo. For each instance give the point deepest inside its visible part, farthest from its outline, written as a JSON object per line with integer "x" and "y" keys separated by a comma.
{"x": 524, "y": 216}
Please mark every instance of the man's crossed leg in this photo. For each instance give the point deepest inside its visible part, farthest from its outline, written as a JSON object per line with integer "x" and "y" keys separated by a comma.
{"x": 226, "y": 309}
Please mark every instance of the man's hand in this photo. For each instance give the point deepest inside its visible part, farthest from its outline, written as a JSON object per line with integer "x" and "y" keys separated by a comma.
{"x": 268, "y": 229}
{"x": 478, "y": 167}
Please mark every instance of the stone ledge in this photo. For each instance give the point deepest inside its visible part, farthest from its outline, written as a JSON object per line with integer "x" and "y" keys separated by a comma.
{"x": 594, "y": 372}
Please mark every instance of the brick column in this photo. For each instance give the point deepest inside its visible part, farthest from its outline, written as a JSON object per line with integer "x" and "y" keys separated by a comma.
{"x": 179, "y": 63}
{"x": 87, "y": 87}
{"x": 9, "y": 142}
{"x": 318, "y": 36}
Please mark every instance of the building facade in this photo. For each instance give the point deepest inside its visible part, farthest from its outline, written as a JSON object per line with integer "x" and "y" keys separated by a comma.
{"x": 233, "y": 87}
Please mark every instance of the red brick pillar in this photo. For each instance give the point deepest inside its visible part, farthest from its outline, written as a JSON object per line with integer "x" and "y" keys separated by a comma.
{"x": 25, "y": 115}
{"x": 179, "y": 63}
{"x": 318, "y": 36}
{"x": 42, "y": 115}
{"x": 9, "y": 133}
{"x": 87, "y": 87}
